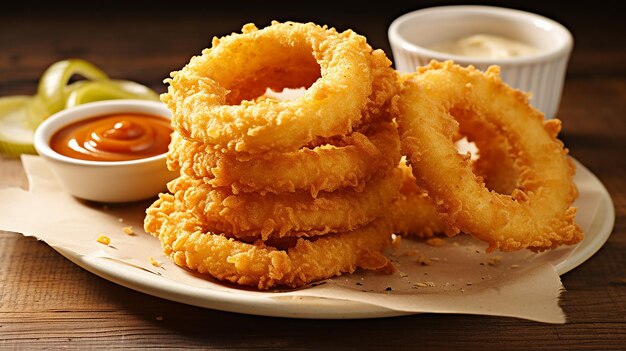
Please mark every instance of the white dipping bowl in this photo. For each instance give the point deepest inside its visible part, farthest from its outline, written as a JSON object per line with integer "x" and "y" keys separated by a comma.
{"x": 111, "y": 182}
{"x": 541, "y": 74}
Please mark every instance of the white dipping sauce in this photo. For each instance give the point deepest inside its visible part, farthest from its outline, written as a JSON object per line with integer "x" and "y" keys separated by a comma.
{"x": 485, "y": 45}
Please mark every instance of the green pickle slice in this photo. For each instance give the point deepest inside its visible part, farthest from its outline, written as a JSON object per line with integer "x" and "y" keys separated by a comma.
{"x": 53, "y": 83}
{"x": 16, "y": 133}
{"x": 108, "y": 90}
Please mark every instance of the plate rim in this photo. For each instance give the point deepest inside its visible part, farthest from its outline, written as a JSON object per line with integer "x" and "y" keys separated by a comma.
{"x": 579, "y": 256}
{"x": 303, "y": 307}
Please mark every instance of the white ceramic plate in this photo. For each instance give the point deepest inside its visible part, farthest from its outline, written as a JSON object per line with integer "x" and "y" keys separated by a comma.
{"x": 323, "y": 308}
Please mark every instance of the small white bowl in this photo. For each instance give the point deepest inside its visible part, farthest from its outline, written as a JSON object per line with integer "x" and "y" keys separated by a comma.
{"x": 541, "y": 74}
{"x": 117, "y": 181}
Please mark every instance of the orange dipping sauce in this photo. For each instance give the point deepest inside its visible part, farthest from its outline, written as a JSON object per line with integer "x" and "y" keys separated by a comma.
{"x": 118, "y": 137}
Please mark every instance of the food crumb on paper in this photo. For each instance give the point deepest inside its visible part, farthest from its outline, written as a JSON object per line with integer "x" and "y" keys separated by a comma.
{"x": 435, "y": 242}
{"x": 495, "y": 260}
{"x": 425, "y": 284}
{"x": 514, "y": 266}
{"x": 103, "y": 239}
{"x": 424, "y": 261}
{"x": 120, "y": 220}
{"x": 128, "y": 230}
{"x": 155, "y": 262}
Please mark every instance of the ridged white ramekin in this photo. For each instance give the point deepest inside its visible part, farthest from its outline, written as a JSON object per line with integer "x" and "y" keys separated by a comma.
{"x": 541, "y": 74}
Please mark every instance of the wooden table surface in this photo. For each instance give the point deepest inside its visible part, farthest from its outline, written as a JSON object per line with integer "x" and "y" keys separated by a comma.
{"x": 48, "y": 302}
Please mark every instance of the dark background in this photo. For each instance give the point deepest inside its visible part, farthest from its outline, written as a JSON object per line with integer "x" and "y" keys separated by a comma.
{"x": 144, "y": 40}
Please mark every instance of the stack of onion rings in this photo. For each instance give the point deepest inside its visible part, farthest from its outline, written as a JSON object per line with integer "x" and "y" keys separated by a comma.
{"x": 281, "y": 192}
{"x": 286, "y": 192}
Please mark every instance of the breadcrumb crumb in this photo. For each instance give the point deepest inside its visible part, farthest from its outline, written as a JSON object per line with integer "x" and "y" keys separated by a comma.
{"x": 424, "y": 261}
{"x": 103, "y": 239}
{"x": 155, "y": 263}
{"x": 425, "y": 284}
{"x": 128, "y": 230}
{"x": 495, "y": 260}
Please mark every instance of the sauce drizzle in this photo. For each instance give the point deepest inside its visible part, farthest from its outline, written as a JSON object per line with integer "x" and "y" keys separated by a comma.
{"x": 118, "y": 137}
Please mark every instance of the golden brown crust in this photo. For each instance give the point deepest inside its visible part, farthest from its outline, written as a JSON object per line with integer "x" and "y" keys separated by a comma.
{"x": 413, "y": 214}
{"x": 213, "y": 98}
{"x": 351, "y": 162}
{"x": 185, "y": 240}
{"x": 538, "y": 215}
{"x": 251, "y": 215}
{"x": 496, "y": 164}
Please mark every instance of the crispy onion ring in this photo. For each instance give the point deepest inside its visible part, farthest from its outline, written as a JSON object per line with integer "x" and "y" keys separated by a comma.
{"x": 213, "y": 97}
{"x": 188, "y": 244}
{"x": 351, "y": 162}
{"x": 384, "y": 87}
{"x": 413, "y": 213}
{"x": 537, "y": 215}
{"x": 254, "y": 216}
{"x": 496, "y": 163}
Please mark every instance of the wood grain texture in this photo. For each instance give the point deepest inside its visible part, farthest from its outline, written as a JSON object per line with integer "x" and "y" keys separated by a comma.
{"x": 47, "y": 302}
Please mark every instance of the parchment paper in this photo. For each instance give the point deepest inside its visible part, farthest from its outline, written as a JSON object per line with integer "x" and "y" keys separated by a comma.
{"x": 457, "y": 277}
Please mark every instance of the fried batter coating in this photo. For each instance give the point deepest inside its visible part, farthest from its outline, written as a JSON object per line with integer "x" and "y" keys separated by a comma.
{"x": 213, "y": 98}
{"x": 384, "y": 87}
{"x": 496, "y": 163}
{"x": 188, "y": 244}
{"x": 413, "y": 213}
{"x": 267, "y": 216}
{"x": 351, "y": 162}
{"x": 538, "y": 214}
